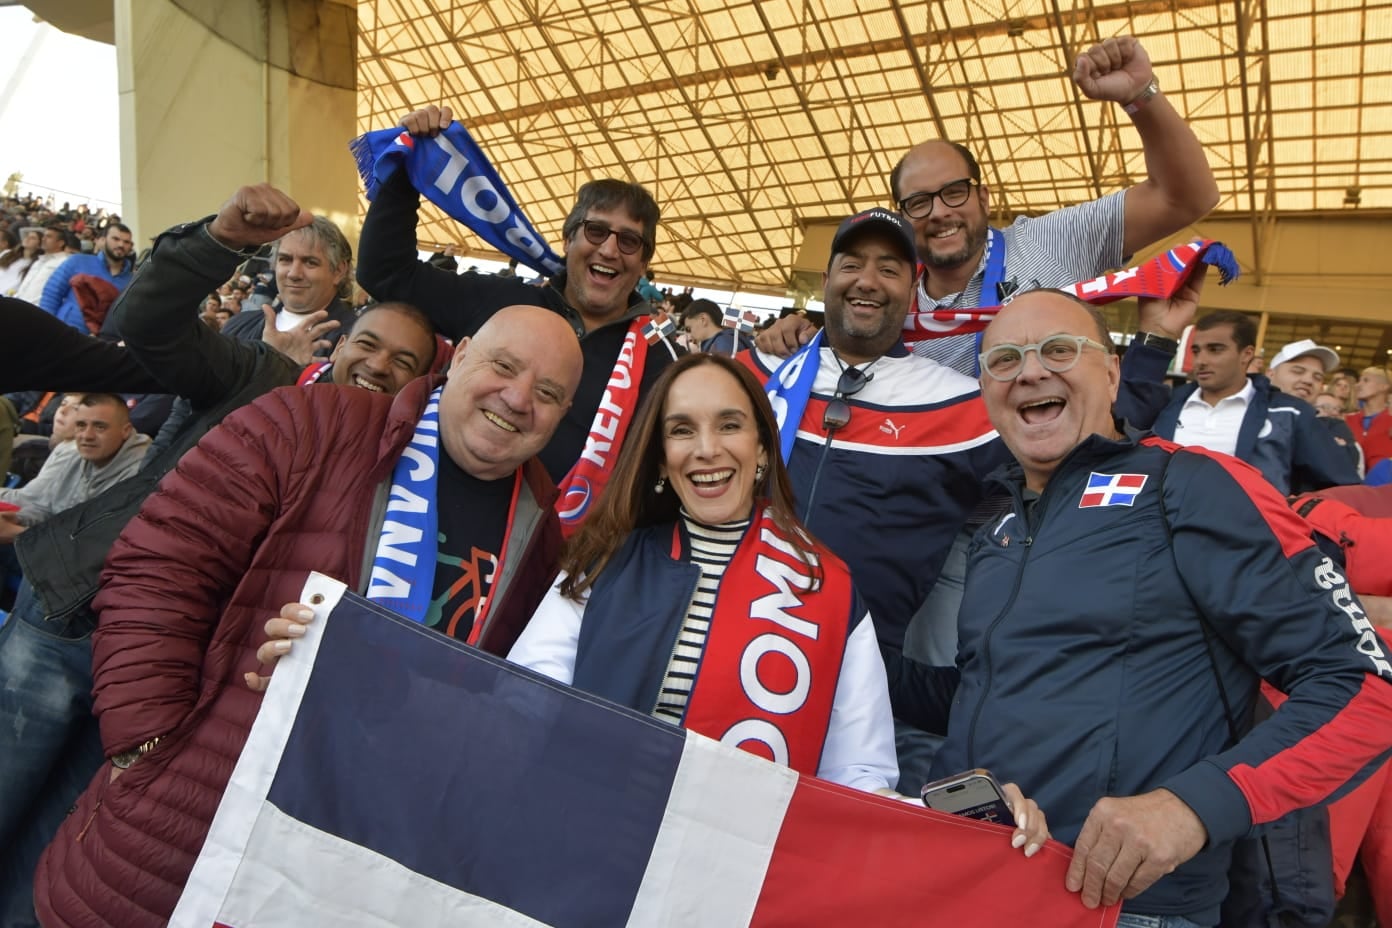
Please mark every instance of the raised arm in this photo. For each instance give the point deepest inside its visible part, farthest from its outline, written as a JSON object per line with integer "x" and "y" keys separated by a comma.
{"x": 1179, "y": 187}
{"x": 389, "y": 269}
{"x": 157, "y": 315}
{"x": 70, "y": 361}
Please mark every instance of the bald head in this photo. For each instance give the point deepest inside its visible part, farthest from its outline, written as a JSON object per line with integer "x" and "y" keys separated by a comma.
{"x": 509, "y": 385}
{"x": 937, "y": 151}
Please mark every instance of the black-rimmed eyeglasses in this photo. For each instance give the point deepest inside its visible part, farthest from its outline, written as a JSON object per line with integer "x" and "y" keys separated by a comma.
{"x": 919, "y": 205}
{"x": 630, "y": 242}
{"x": 838, "y": 411}
{"x": 1057, "y": 354}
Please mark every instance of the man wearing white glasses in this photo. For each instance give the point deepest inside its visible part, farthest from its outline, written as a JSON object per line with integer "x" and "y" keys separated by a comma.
{"x": 1117, "y": 621}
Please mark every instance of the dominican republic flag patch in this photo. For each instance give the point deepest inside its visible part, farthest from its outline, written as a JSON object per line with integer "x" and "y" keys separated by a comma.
{"x": 1111, "y": 490}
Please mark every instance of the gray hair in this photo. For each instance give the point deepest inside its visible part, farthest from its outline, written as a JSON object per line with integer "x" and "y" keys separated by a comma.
{"x": 331, "y": 240}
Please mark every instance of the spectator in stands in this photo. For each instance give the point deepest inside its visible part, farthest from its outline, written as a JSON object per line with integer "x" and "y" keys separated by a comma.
{"x": 1299, "y": 369}
{"x": 1342, "y": 385}
{"x": 1229, "y": 410}
{"x": 45, "y": 647}
{"x": 313, "y": 272}
{"x": 65, "y": 420}
{"x": 887, "y": 450}
{"x": 963, "y": 263}
{"x": 1372, "y": 423}
{"x": 263, "y": 292}
{"x": 284, "y": 486}
{"x": 105, "y": 450}
{"x": 54, "y": 252}
{"x": 708, "y": 431}
{"x": 610, "y": 235}
{"x": 113, "y": 264}
{"x": 1091, "y": 668}
{"x": 1328, "y": 405}
{"x": 18, "y": 256}
{"x": 704, "y": 324}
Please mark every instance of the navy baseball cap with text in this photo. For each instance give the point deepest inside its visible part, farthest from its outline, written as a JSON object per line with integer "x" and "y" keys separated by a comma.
{"x": 895, "y": 226}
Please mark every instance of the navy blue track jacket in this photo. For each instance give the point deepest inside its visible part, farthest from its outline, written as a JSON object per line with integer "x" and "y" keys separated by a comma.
{"x": 1084, "y": 670}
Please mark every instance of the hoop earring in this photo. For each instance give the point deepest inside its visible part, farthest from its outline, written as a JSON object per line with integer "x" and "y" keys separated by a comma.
{"x": 660, "y": 485}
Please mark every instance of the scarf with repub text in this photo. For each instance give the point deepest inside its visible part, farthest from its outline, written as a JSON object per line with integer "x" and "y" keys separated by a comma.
{"x": 590, "y": 474}
{"x": 451, "y": 171}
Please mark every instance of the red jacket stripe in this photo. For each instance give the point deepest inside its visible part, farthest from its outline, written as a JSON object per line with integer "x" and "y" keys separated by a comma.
{"x": 1290, "y": 530}
{"x": 1308, "y": 772}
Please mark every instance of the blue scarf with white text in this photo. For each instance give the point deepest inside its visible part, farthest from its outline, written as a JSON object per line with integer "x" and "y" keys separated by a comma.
{"x": 403, "y": 570}
{"x": 789, "y": 389}
{"x": 451, "y": 171}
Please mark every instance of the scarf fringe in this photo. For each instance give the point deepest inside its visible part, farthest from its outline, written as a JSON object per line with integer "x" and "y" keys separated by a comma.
{"x": 1220, "y": 256}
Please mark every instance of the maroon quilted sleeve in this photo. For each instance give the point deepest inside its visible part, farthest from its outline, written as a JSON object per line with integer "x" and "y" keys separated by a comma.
{"x": 171, "y": 572}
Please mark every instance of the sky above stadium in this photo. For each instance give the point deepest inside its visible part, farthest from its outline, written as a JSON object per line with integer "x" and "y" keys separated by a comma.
{"x": 59, "y": 112}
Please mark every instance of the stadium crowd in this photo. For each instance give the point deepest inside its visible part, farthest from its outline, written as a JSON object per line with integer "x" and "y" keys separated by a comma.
{"x": 1157, "y": 614}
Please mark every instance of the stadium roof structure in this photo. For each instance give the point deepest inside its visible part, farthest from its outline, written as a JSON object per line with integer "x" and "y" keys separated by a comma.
{"x": 752, "y": 121}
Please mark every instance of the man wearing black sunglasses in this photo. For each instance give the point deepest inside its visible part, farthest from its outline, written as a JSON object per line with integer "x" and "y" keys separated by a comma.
{"x": 610, "y": 235}
{"x": 963, "y": 263}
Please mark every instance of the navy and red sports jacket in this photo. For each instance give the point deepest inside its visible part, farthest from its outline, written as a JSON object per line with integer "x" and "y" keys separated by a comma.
{"x": 1085, "y": 673}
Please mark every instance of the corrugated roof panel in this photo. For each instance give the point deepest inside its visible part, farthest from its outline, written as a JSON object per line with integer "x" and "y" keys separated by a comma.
{"x": 565, "y": 91}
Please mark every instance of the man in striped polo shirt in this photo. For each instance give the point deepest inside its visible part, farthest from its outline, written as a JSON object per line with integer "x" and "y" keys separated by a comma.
{"x": 964, "y": 263}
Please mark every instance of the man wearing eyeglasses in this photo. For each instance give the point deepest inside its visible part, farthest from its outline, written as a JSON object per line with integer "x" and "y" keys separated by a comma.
{"x": 964, "y": 263}
{"x": 1118, "y": 618}
{"x": 610, "y": 236}
{"x": 888, "y": 450}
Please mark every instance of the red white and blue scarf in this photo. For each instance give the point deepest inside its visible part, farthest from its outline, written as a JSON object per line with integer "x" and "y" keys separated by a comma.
{"x": 772, "y": 659}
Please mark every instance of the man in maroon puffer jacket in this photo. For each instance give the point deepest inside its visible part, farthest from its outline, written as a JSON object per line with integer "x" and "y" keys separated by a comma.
{"x": 300, "y": 480}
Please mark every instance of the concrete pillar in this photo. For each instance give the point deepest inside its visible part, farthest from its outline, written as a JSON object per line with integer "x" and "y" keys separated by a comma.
{"x": 219, "y": 93}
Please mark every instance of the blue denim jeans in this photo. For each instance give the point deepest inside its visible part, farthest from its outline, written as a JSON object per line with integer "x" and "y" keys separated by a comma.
{"x": 49, "y": 743}
{"x": 1131, "y": 920}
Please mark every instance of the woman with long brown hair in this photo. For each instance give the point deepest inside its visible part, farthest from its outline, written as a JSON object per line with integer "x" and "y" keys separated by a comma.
{"x": 694, "y": 594}
{"x": 15, "y": 257}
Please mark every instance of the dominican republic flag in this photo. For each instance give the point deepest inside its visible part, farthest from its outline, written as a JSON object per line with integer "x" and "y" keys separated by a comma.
{"x": 1110, "y": 490}
{"x": 659, "y": 328}
{"x": 743, "y": 321}
{"x": 398, "y": 777}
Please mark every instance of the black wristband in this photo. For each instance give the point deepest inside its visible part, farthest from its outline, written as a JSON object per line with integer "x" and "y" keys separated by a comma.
{"x": 1158, "y": 342}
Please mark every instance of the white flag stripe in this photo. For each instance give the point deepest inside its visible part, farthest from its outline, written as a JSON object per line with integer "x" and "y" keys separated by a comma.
{"x": 306, "y": 886}
{"x": 718, "y": 832}
{"x": 251, "y": 779}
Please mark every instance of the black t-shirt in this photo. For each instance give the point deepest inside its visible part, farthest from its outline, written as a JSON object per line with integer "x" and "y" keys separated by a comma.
{"x": 473, "y": 518}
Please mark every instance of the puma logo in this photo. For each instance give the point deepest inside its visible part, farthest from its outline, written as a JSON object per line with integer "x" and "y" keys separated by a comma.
{"x": 889, "y": 428}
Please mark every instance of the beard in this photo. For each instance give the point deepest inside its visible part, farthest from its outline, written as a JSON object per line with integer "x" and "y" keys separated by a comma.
{"x": 976, "y": 240}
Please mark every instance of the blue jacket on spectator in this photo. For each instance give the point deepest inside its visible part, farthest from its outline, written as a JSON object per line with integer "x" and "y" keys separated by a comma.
{"x": 1279, "y": 437}
{"x": 58, "y": 296}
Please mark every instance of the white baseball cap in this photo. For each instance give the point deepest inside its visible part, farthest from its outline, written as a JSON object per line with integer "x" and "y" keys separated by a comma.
{"x": 1303, "y": 347}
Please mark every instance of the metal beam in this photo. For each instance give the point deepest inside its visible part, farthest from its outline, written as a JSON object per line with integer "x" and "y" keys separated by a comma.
{"x": 817, "y": 57}
{"x": 1259, "y": 143}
